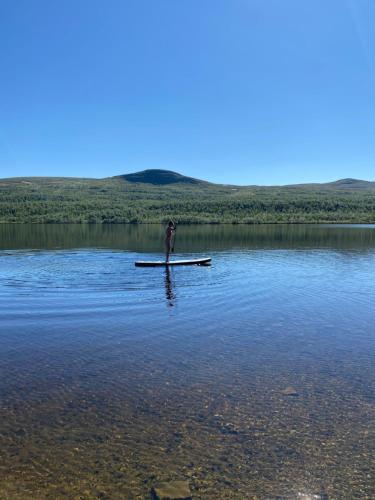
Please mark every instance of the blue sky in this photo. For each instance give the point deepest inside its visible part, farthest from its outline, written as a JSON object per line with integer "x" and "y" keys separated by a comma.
{"x": 232, "y": 91}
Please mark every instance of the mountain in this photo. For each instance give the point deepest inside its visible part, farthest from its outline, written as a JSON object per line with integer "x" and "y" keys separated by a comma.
{"x": 155, "y": 196}
{"x": 339, "y": 185}
{"x": 160, "y": 177}
{"x": 165, "y": 177}
{"x": 351, "y": 184}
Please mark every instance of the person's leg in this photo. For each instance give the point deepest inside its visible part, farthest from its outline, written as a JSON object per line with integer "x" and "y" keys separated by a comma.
{"x": 168, "y": 250}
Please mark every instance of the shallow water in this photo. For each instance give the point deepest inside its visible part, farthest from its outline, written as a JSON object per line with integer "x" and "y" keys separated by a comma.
{"x": 113, "y": 378}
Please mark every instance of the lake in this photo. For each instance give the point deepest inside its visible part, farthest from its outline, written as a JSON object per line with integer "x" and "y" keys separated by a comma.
{"x": 251, "y": 378}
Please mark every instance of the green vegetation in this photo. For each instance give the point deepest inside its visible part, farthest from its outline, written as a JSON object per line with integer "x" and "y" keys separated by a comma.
{"x": 120, "y": 200}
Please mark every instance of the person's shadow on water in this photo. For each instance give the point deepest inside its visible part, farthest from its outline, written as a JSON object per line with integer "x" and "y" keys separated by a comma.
{"x": 169, "y": 293}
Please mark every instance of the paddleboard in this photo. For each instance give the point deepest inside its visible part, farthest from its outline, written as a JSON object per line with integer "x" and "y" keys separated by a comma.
{"x": 191, "y": 262}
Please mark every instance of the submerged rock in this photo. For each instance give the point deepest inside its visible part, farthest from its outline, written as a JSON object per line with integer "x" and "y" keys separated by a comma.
{"x": 290, "y": 391}
{"x": 172, "y": 490}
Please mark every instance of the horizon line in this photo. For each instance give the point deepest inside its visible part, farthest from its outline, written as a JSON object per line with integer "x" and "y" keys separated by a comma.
{"x": 183, "y": 175}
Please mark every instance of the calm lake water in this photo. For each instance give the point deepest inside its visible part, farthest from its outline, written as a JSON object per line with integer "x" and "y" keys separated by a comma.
{"x": 252, "y": 378}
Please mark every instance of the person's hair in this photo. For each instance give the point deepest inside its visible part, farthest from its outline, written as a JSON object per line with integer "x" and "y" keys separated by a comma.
{"x": 170, "y": 223}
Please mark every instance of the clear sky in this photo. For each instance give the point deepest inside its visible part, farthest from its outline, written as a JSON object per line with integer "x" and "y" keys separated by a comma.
{"x": 232, "y": 91}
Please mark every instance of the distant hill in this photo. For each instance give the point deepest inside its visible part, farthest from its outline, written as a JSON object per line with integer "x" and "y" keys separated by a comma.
{"x": 164, "y": 177}
{"x": 352, "y": 184}
{"x": 155, "y": 196}
{"x": 159, "y": 177}
{"x": 341, "y": 184}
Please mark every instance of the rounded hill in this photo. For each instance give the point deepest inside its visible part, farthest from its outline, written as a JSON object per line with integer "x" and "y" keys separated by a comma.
{"x": 160, "y": 177}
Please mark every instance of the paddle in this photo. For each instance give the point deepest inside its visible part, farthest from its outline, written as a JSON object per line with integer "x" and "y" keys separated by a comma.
{"x": 174, "y": 237}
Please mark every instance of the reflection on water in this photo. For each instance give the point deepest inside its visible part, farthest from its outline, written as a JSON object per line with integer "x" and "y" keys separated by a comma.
{"x": 259, "y": 382}
{"x": 201, "y": 238}
{"x": 169, "y": 293}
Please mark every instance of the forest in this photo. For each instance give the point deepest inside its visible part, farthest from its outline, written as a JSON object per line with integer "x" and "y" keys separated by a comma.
{"x": 117, "y": 200}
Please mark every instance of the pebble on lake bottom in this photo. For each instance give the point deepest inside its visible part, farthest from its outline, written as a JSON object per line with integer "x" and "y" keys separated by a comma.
{"x": 172, "y": 490}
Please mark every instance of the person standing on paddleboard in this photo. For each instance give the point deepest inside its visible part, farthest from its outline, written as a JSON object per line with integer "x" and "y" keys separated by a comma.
{"x": 169, "y": 236}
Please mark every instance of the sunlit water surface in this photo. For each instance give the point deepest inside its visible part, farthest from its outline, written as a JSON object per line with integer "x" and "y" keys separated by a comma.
{"x": 254, "y": 377}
